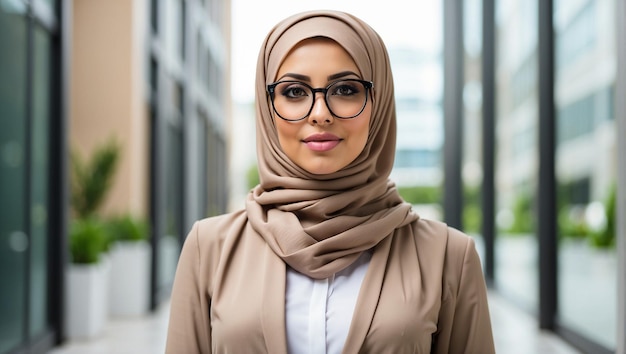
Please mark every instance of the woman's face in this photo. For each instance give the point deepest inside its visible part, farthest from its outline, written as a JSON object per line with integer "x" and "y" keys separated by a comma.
{"x": 321, "y": 143}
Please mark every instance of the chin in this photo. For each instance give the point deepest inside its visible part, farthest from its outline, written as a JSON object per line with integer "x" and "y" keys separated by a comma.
{"x": 318, "y": 171}
{"x": 321, "y": 170}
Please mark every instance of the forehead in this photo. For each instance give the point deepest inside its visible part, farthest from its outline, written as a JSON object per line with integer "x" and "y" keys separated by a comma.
{"x": 318, "y": 55}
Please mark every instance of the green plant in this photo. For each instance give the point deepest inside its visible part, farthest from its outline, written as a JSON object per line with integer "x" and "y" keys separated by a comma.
{"x": 421, "y": 194}
{"x": 252, "y": 176}
{"x": 571, "y": 222}
{"x": 127, "y": 228}
{"x": 91, "y": 180}
{"x": 572, "y": 197}
{"x": 87, "y": 238}
{"x": 605, "y": 238}
{"x": 472, "y": 212}
{"x": 90, "y": 183}
{"x": 523, "y": 221}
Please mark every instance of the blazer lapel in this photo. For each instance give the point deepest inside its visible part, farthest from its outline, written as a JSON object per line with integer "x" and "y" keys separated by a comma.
{"x": 369, "y": 295}
{"x": 273, "y": 311}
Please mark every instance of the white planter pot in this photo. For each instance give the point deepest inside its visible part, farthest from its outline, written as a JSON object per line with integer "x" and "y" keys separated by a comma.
{"x": 85, "y": 300}
{"x": 130, "y": 278}
{"x": 105, "y": 260}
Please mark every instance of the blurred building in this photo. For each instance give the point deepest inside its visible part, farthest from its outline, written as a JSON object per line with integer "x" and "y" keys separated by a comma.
{"x": 417, "y": 170}
{"x": 418, "y": 90}
{"x": 242, "y": 154}
{"x": 554, "y": 163}
{"x": 585, "y": 69}
{"x": 154, "y": 75}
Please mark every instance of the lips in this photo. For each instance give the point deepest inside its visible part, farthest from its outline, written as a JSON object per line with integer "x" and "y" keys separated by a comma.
{"x": 322, "y": 142}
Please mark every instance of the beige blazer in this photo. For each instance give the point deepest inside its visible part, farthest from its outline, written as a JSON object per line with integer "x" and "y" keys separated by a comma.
{"x": 423, "y": 293}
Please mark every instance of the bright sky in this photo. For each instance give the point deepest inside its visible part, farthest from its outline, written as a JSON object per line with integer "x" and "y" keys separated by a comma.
{"x": 401, "y": 23}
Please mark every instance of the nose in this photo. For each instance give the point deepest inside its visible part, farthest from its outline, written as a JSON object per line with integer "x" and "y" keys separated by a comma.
{"x": 320, "y": 114}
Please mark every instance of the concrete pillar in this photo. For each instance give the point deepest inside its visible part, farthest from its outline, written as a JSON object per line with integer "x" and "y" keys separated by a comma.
{"x": 107, "y": 93}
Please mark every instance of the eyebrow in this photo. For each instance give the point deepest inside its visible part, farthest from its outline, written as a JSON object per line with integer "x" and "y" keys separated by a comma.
{"x": 308, "y": 78}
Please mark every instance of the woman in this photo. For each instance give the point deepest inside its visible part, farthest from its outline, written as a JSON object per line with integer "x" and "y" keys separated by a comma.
{"x": 327, "y": 257}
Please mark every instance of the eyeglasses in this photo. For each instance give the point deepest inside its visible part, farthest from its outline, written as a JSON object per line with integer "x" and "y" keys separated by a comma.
{"x": 294, "y": 100}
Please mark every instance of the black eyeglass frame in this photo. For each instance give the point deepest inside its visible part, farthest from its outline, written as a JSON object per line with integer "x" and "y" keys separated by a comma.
{"x": 271, "y": 90}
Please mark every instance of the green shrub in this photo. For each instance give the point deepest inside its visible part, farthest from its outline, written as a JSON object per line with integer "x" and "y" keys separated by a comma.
{"x": 87, "y": 238}
{"x": 472, "y": 218}
{"x": 472, "y": 212}
{"x": 421, "y": 194}
{"x": 127, "y": 228}
{"x": 523, "y": 221}
{"x": 252, "y": 176}
{"x": 572, "y": 223}
{"x": 605, "y": 238}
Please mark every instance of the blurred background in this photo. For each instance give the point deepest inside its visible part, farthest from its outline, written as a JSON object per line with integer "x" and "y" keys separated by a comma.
{"x": 124, "y": 121}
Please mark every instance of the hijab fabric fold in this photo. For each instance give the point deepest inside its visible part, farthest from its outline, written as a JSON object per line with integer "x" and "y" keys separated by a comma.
{"x": 320, "y": 224}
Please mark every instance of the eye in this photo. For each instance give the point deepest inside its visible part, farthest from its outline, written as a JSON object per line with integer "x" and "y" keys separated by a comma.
{"x": 294, "y": 90}
{"x": 345, "y": 88}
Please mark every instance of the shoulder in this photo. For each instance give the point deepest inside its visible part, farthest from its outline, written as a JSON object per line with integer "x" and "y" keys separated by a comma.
{"x": 462, "y": 266}
{"x": 427, "y": 228}
{"x": 459, "y": 243}
{"x": 219, "y": 226}
{"x": 455, "y": 241}
{"x": 448, "y": 245}
{"x": 205, "y": 245}
{"x": 207, "y": 236}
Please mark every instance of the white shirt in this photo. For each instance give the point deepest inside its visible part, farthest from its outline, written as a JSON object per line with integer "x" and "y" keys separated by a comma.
{"x": 319, "y": 312}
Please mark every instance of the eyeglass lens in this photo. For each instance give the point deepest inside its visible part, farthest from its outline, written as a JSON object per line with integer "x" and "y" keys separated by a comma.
{"x": 294, "y": 100}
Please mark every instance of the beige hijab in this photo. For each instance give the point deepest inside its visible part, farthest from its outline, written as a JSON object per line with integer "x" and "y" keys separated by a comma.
{"x": 320, "y": 224}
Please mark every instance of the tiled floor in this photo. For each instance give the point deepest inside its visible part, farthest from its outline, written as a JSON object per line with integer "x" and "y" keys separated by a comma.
{"x": 514, "y": 331}
{"x": 144, "y": 335}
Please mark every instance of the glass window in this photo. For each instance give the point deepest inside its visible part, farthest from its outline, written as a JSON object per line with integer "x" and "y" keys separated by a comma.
{"x": 50, "y": 3}
{"x": 44, "y": 11}
{"x": 169, "y": 245}
{"x": 154, "y": 16}
{"x": 200, "y": 58}
{"x": 576, "y": 28}
{"x": 39, "y": 183}
{"x": 586, "y": 169}
{"x": 212, "y": 173}
{"x": 516, "y": 247}
{"x": 182, "y": 45}
{"x": 204, "y": 163}
{"x": 472, "y": 118}
{"x": 418, "y": 165}
{"x": 173, "y": 29}
{"x": 13, "y": 239}
{"x": 170, "y": 174}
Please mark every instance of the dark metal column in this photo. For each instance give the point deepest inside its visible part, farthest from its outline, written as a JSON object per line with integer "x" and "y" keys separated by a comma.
{"x": 489, "y": 122}
{"x": 453, "y": 111}
{"x": 157, "y": 186}
{"x": 59, "y": 173}
{"x": 546, "y": 194}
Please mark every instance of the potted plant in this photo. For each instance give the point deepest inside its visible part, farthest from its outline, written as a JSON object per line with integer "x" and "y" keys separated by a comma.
{"x": 86, "y": 280}
{"x": 130, "y": 266}
{"x": 87, "y": 276}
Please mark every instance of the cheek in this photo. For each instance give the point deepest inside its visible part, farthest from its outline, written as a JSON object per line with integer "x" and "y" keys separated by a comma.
{"x": 364, "y": 128}
{"x": 363, "y": 135}
{"x": 287, "y": 133}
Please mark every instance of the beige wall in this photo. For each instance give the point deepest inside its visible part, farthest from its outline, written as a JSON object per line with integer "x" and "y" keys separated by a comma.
{"x": 107, "y": 93}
